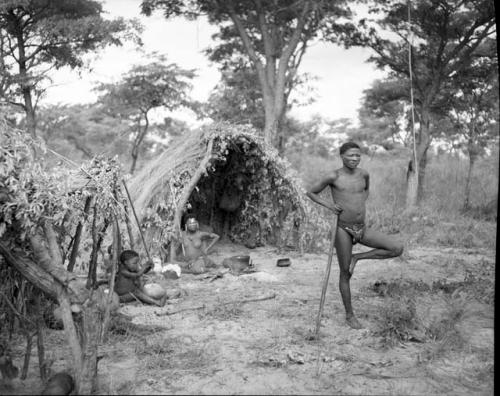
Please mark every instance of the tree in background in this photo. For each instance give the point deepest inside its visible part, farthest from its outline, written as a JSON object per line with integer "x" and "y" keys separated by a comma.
{"x": 475, "y": 107}
{"x": 271, "y": 35}
{"x": 144, "y": 88}
{"x": 81, "y": 132}
{"x": 238, "y": 99}
{"x": 445, "y": 35}
{"x": 316, "y": 137}
{"x": 39, "y": 35}
{"x": 383, "y": 114}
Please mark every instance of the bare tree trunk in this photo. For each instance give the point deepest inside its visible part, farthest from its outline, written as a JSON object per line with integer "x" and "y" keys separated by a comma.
{"x": 416, "y": 171}
{"x": 280, "y": 133}
{"x": 270, "y": 122}
{"x": 272, "y": 73}
{"x": 411, "y": 185}
{"x": 472, "y": 160}
{"x": 141, "y": 134}
{"x": 135, "y": 155}
{"x": 30, "y": 113}
{"x": 422, "y": 170}
{"x": 29, "y": 109}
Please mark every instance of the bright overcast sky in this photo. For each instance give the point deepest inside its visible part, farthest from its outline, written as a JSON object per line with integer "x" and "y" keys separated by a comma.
{"x": 341, "y": 74}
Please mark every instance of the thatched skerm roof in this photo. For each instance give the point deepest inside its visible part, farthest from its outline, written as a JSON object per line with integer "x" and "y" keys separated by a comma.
{"x": 229, "y": 179}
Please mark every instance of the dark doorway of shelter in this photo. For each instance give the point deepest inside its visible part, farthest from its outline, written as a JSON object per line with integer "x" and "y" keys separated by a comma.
{"x": 219, "y": 196}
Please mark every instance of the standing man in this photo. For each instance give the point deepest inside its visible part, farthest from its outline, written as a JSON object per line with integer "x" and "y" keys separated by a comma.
{"x": 349, "y": 187}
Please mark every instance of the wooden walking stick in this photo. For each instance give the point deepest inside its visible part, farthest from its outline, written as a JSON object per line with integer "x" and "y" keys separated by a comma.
{"x": 136, "y": 220}
{"x": 327, "y": 275}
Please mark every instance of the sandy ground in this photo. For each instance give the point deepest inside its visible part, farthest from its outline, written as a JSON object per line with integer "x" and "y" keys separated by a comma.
{"x": 262, "y": 347}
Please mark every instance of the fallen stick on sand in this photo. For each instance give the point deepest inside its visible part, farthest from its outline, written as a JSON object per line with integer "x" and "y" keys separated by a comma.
{"x": 247, "y": 300}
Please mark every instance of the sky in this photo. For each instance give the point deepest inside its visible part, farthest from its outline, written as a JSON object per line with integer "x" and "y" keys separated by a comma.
{"x": 341, "y": 75}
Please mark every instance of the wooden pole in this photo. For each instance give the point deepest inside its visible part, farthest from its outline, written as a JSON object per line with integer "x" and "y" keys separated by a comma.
{"x": 136, "y": 220}
{"x": 111, "y": 285}
{"x": 78, "y": 235}
{"x": 327, "y": 275}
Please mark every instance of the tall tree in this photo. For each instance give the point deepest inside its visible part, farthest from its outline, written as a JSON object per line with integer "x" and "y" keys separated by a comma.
{"x": 444, "y": 35}
{"x": 475, "y": 108}
{"x": 272, "y": 35}
{"x": 144, "y": 88}
{"x": 39, "y": 35}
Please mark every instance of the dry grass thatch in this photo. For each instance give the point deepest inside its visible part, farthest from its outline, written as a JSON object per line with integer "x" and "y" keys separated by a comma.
{"x": 196, "y": 170}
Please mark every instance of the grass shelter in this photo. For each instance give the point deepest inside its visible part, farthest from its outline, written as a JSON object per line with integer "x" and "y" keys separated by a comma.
{"x": 230, "y": 180}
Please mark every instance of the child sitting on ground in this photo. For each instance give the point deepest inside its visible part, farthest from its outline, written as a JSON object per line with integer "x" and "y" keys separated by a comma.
{"x": 129, "y": 285}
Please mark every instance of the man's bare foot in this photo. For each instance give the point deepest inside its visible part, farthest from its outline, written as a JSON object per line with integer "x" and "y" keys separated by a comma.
{"x": 352, "y": 265}
{"x": 353, "y": 322}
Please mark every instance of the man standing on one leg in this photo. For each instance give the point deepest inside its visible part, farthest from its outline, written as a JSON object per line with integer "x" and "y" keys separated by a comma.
{"x": 349, "y": 186}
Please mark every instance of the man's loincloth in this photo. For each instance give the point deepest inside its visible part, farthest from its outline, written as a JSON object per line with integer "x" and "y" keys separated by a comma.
{"x": 355, "y": 230}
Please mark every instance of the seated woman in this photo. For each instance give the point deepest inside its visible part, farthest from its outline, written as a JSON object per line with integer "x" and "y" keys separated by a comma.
{"x": 129, "y": 281}
{"x": 195, "y": 246}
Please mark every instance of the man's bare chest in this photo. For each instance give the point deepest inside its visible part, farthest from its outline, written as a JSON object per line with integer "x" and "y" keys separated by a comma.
{"x": 349, "y": 183}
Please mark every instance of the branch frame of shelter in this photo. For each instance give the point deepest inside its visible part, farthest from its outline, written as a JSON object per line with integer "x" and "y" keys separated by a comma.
{"x": 40, "y": 215}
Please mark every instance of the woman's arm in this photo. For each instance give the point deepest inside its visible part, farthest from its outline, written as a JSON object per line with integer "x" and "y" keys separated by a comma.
{"x": 209, "y": 235}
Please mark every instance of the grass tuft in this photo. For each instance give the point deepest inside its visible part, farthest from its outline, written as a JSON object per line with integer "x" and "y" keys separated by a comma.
{"x": 222, "y": 312}
{"x": 398, "y": 321}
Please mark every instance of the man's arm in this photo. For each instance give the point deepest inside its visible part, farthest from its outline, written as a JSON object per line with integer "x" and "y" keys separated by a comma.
{"x": 314, "y": 192}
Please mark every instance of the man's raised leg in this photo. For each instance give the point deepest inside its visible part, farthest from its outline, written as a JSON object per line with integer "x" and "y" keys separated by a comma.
{"x": 384, "y": 247}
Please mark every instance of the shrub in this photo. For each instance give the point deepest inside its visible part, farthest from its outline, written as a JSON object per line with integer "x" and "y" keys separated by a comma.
{"x": 398, "y": 321}
{"x": 480, "y": 282}
{"x": 442, "y": 330}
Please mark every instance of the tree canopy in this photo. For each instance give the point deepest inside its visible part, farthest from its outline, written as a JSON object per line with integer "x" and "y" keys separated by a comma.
{"x": 144, "y": 88}
{"x": 271, "y": 36}
{"x": 444, "y": 35}
{"x": 39, "y": 35}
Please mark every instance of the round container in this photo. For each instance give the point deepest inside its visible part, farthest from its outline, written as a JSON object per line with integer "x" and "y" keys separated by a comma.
{"x": 154, "y": 290}
{"x": 283, "y": 262}
{"x": 237, "y": 263}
